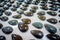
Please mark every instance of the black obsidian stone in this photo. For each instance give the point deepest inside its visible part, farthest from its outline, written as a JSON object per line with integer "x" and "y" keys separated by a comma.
{"x": 38, "y": 34}
{"x": 16, "y": 37}
{"x": 2, "y": 38}
{"x": 53, "y": 37}
{"x": 1, "y": 25}
{"x": 7, "y": 30}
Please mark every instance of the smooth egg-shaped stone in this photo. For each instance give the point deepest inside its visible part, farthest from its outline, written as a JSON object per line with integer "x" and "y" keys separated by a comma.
{"x": 4, "y": 18}
{"x": 50, "y": 28}
{"x": 34, "y": 7}
{"x": 38, "y": 25}
{"x": 28, "y": 13}
{"x": 23, "y": 27}
{"x": 52, "y": 13}
{"x": 2, "y": 37}
{"x": 1, "y": 25}
{"x": 13, "y": 9}
{"x": 53, "y": 37}
{"x": 6, "y": 7}
{"x": 33, "y": 10}
{"x": 16, "y": 37}
{"x": 13, "y": 22}
{"x": 9, "y": 4}
{"x": 42, "y": 17}
{"x": 17, "y": 16}
{"x": 27, "y": 1}
{"x": 25, "y": 5}
{"x": 7, "y": 30}
{"x": 44, "y": 7}
{"x": 8, "y": 13}
{"x": 41, "y": 13}
{"x": 52, "y": 20}
{"x": 38, "y": 34}
{"x": 23, "y": 8}
{"x": 26, "y": 20}
{"x": 20, "y": 11}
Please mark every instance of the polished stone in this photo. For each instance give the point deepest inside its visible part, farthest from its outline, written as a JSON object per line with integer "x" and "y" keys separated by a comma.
{"x": 53, "y": 37}
{"x": 2, "y": 38}
{"x": 7, "y": 30}
{"x": 28, "y": 13}
{"x": 13, "y": 22}
{"x": 38, "y": 25}
{"x": 35, "y": 2}
{"x": 23, "y": 27}
{"x": 8, "y": 13}
{"x": 17, "y": 16}
{"x": 52, "y": 20}
{"x": 44, "y": 7}
{"x": 50, "y": 28}
{"x": 23, "y": 8}
{"x": 26, "y": 20}
{"x": 52, "y": 13}
{"x": 20, "y": 11}
{"x": 4, "y": 18}
{"x": 38, "y": 34}
{"x": 6, "y": 7}
{"x": 34, "y": 7}
{"x": 1, "y": 25}
{"x": 13, "y": 9}
{"x": 28, "y": 1}
{"x": 42, "y": 17}
{"x": 16, "y": 37}
{"x": 33, "y": 10}
{"x": 40, "y": 13}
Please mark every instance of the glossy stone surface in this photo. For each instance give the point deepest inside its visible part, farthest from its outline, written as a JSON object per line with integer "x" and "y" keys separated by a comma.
{"x": 42, "y": 17}
{"x": 6, "y": 7}
{"x": 9, "y": 4}
{"x": 50, "y": 28}
{"x": 26, "y": 20}
{"x": 13, "y": 22}
{"x": 40, "y": 13}
{"x": 20, "y": 11}
{"x": 25, "y": 5}
{"x": 38, "y": 34}
{"x": 23, "y": 27}
{"x": 53, "y": 37}
{"x": 44, "y": 7}
{"x": 34, "y": 7}
{"x": 1, "y": 0}
{"x": 13, "y": 9}
{"x": 16, "y": 37}
{"x": 53, "y": 9}
{"x": 38, "y": 25}
{"x": 33, "y": 10}
{"x": 4, "y": 18}
{"x": 28, "y": 13}
{"x": 35, "y": 2}
{"x": 27, "y": 1}
{"x": 1, "y": 25}
{"x": 8, "y": 13}
{"x": 52, "y": 13}
{"x": 7, "y": 30}
{"x": 52, "y": 20}
{"x": 1, "y": 13}
{"x": 23, "y": 8}
{"x": 17, "y": 16}
{"x": 2, "y": 38}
